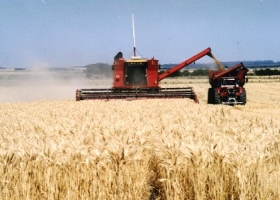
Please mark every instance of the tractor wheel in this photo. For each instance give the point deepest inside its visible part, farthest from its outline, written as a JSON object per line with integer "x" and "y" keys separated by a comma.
{"x": 211, "y": 96}
{"x": 243, "y": 96}
{"x": 217, "y": 97}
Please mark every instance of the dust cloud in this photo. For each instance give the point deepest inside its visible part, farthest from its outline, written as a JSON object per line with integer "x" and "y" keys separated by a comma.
{"x": 40, "y": 85}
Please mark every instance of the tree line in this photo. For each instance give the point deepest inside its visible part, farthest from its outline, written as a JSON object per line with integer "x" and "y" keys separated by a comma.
{"x": 205, "y": 72}
{"x": 196, "y": 72}
{"x": 267, "y": 72}
{"x": 98, "y": 69}
{"x": 106, "y": 71}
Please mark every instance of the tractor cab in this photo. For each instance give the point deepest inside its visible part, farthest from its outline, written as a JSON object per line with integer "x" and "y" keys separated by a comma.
{"x": 229, "y": 82}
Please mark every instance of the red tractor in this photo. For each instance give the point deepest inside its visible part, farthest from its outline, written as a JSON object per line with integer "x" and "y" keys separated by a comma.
{"x": 139, "y": 78}
{"x": 227, "y": 86}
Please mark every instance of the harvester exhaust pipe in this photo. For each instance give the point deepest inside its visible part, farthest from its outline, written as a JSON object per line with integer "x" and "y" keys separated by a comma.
{"x": 134, "y": 42}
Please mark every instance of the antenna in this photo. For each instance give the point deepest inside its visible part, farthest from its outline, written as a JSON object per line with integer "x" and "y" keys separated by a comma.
{"x": 134, "y": 43}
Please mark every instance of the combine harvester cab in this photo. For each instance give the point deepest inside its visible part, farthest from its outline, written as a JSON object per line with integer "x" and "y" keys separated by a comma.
{"x": 227, "y": 86}
{"x": 138, "y": 78}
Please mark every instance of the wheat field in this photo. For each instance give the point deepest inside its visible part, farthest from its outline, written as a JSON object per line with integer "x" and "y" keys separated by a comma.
{"x": 142, "y": 149}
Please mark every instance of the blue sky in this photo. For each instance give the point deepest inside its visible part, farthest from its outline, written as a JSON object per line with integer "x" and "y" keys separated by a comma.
{"x": 61, "y": 33}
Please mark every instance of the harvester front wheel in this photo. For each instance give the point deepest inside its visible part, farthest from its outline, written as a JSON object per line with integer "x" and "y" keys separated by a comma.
{"x": 243, "y": 96}
{"x": 217, "y": 97}
{"x": 211, "y": 96}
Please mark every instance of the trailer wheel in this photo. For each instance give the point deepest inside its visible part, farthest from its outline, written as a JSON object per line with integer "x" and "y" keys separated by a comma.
{"x": 243, "y": 96}
{"x": 217, "y": 97}
{"x": 211, "y": 96}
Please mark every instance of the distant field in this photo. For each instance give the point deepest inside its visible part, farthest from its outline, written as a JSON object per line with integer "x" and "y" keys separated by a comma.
{"x": 53, "y": 147}
{"x": 21, "y": 86}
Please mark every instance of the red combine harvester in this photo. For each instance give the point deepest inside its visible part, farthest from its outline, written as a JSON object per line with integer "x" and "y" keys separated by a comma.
{"x": 138, "y": 78}
{"x": 227, "y": 86}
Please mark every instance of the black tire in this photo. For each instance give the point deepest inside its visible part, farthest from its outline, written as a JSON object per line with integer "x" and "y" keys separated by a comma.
{"x": 217, "y": 97}
{"x": 243, "y": 96}
{"x": 211, "y": 96}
